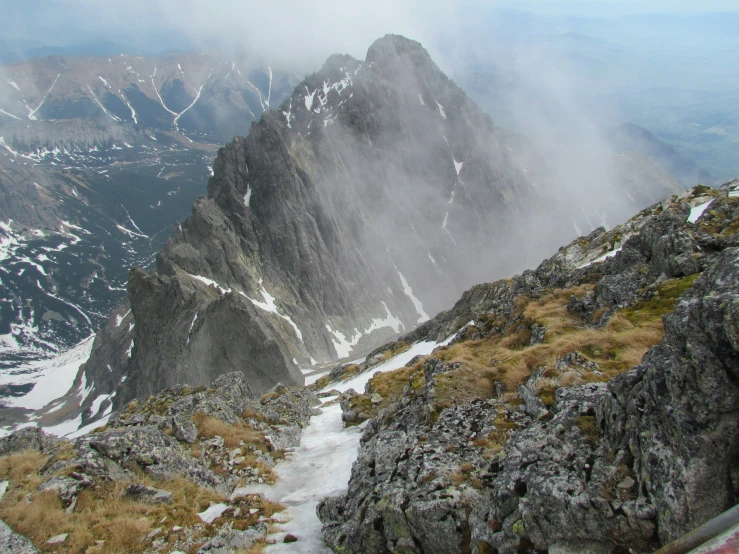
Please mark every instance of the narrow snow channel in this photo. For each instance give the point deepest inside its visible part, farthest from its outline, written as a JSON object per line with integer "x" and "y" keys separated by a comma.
{"x": 321, "y": 466}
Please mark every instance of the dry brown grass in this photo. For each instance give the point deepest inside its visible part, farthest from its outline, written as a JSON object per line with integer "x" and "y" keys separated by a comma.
{"x": 210, "y": 427}
{"x": 510, "y": 360}
{"x": 233, "y": 436}
{"x": 462, "y": 386}
{"x": 101, "y": 514}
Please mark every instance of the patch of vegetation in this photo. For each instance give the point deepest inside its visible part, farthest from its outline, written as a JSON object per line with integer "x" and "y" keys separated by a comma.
{"x": 589, "y": 429}
{"x": 389, "y": 385}
{"x": 703, "y": 190}
{"x": 662, "y": 301}
{"x": 236, "y": 435}
{"x": 496, "y": 439}
{"x": 103, "y": 522}
{"x": 397, "y": 348}
{"x": 509, "y": 359}
{"x": 462, "y": 386}
{"x": 349, "y": 372}
{"x": 268, "y": 396}
{"x": 548, "y": 395}
{"x": 721, "y": 221}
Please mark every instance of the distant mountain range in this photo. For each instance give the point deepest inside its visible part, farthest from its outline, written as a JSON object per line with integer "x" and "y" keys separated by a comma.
{"x": 99, "y": 157}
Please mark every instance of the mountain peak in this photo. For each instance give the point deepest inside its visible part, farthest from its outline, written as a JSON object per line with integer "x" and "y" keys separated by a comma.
{"x": 391, "y": 47}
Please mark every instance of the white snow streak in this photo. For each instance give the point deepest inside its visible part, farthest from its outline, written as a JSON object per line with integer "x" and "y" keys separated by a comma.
{"x": 321, "y": 465}
{"x": 423, "y": 316}
{"x": 32, "y": 113}
{"x": 10, "y": 115}
{"x": 441, "y": 110}
{"x": 269, "y": 306}
{"x": 269, "y": 92}
{"x": 697, "y": 212}
{"x": 458, "y": 165}
{"x": 388, "y": 321}
{"x": 342, "y": 345}
{"x": 309, "y": 98}
{"x": 192, "y": 324}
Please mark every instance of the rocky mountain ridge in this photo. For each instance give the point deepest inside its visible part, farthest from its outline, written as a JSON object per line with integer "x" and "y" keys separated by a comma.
{"x": 171, "y": 462}
{"x": 311, "y": 244}
{"x": 540, "y": 426}
{"x": 99, "y": 157}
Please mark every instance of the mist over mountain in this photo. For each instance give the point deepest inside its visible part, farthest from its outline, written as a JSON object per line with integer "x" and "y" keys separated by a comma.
{"x": 375, "y": 194}
{"x": 270, "y": 281}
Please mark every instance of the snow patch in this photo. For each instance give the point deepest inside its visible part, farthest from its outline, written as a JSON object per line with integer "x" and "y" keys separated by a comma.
{"x": 10, "y": 115}
{"x": 269, "y": 306}
{"x": 192, "y": 324}
{"x": 423, "y": 316}
{"x": 420, "y": 99}
{"x": 119, "y": 318}
{"x": 52, "y": 377}
{"x": 66, "y": 427}
{"x": 603, "y": 258}
{"x": 388, "y": 321}
{"x": 342, "y": 345}
{"x": 247, "y": 196}
{"x": 441, "y": 110}
{"x": 309, "y": 98}
{"x": 90, "y": 426}
{"x": 697, "y": 212}
{"x": 213, "y": 513}
{"x": 210, "y": 282}
{"x": 457, "y": 165}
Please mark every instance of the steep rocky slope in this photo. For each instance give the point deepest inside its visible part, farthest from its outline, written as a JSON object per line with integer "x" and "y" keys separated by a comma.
{"x": 541, "y": 427}
{"x": 356, "y": 210}
{"x": 158, "y": 477}
{"x": 99, "y": 157}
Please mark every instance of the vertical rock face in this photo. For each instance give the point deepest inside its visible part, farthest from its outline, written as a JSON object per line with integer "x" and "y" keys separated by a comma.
{"x": 363, "y": 205}
{"x": 676, "y": 413}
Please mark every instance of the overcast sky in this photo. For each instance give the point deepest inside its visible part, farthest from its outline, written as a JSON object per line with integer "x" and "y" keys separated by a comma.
{"x": 285, "y": 30}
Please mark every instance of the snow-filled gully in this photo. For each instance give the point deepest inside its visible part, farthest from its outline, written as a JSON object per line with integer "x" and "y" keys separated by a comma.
{"x": 321, "y": 466}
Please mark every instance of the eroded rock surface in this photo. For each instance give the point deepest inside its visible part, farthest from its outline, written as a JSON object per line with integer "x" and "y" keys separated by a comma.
{"x": 631, "y": 463}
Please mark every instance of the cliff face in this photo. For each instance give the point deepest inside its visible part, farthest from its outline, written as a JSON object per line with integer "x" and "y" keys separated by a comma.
{"x": 541, "y": 426}
{"x": 362, "y": 206}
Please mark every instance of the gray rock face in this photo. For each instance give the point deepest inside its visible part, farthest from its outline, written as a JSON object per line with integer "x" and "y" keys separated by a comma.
{"x": 228, "y": 540}
{"x": 28, "y": 438}
{"x": 15, "y": 543}
{"x": 149, "y": 495}
{"x": 684, "y": 397}
{"x": 629, "y": 464}
{"x": 364, "y": 204}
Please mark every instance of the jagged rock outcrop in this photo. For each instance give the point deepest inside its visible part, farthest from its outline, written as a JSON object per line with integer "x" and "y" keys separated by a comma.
{"x": 361, "y": 206}
{"x": 214, "y": 438}
{"x": 627, "y": 463}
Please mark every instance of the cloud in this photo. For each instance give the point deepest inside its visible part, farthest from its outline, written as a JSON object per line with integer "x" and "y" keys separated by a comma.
{"x": 288, "y": 32}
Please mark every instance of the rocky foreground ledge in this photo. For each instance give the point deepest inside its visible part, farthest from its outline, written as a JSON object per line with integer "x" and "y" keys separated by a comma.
{"x": 157, "y": 478}
{"x": 590, "y": 405}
